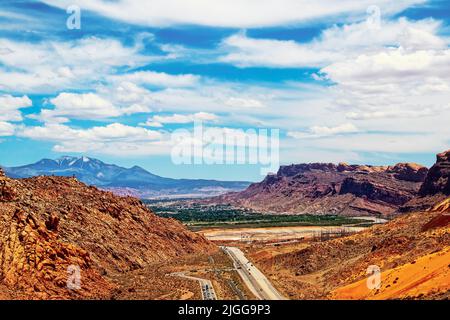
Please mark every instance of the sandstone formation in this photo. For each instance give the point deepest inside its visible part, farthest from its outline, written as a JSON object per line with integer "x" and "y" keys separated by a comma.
{"x": 50, "y": 226}
{"x": 435, "y": 188}
{"x": 332, "y": 189}
{"x": 438, "y": 177}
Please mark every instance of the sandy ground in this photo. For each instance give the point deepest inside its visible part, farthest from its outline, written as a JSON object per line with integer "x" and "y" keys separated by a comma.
{"x": 428, "y": 275}
{"x": 272, "y": 233}
{"x": 413, "y": 253}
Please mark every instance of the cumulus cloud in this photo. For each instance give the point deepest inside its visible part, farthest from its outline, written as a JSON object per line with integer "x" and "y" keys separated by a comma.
{"x": 400, "y": 98}
{"x": 47, "y": 67}
{"x": 131, "y": 97}
{"x": 114, "y": 138}
{"x": 10, "y": 107}
{"x": 396, "y": 83}
{"x": 323, "y": 131}
{"x": 159, "y": 121}
{"x": 392, "y": 79}
{"x": 214, "y": 96}
{"x": 230, "y": 13}
{"x": 108, "y": 102}
{"x": 385, "y": 143}
{"x": 85, "y": 106}
{"x": 391, "y": 64}
{"x": 247, "y": 52}
{"x": 6, "y": 129}
{"x": 159, "y": 79}
{"x": 382, "y": 114}
{"x": 237, "y": 102}
{"x": 121, "y": 98}
{"x": 334, "y": 44}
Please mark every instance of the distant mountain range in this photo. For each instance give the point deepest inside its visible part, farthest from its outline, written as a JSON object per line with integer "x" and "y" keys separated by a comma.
{"x": 134, "y": 181}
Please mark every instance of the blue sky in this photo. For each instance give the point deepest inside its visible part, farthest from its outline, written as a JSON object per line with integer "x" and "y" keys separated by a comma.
{"x": 340, "y": 84}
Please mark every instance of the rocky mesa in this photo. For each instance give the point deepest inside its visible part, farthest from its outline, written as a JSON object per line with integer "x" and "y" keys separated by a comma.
{"x": 438, "y": 177}
{"x": 343, "y": 189}
{"x": 435, "y": 188}
{"x": 54, "y": 227}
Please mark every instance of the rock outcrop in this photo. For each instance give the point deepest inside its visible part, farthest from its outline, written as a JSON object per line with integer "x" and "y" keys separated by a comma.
{"x": 438, "y": 177}
{"x": 373, "y": 191}
{"x": 435, "y": 188}
{"x": 409, "y": 172}
{"x": 35, "y": 263}
{"x": 325, "y": 188}
{"x": 6, "y": 192}
{"x": 51, "y": 227}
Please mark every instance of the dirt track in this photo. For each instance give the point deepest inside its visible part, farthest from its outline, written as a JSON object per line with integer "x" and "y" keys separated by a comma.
{"x": 272, "y": 234}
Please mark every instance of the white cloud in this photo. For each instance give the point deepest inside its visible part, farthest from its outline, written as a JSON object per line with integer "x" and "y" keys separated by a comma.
{"x": 121, "y": 98}
{"x": 150, "y": 123}
{"x": 334, "y": 44}
{"x": 400, "y": 98}
{"x": 9, "y": 107}
{"x": 247, "y": 52}
{"x": 159, "y": 121}
{"x": 83, "y": 106}
{"x": 237, "y": 102}
{"x": 391, "y": 64}
{"x": 115, "y": 138}
{"x": 388, "y": 143}
{"x": 382, "y": 114}
{"x": 396, "y": 83}
{"x": 394, "y": 79}
{"x": 230, "y": 13}
{"x": 119, "y": 131}
{"x": 56, "y": 66}
{"x": 322, "y": 131}
{"x": 129, "y": 98}
{"x": 160, "y": 79}
{"x": 6, "y": 129}
{"x": 217, "y": 96}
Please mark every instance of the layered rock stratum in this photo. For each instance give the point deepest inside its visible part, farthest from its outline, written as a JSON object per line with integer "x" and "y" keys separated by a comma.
{"x": 435, "y": 188}
{"x": 343, "y": 189}
{"x": 53, "y": 227}
{"x": 438, "y": 177}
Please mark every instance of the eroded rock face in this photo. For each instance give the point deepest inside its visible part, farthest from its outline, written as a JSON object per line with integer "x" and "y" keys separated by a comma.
{"x": 409, "y": 172}
{"x": 295, "y": 169}
{"x": 333, "y": 189}
{"x": 438, "y": 178}
{"x": 48, "y": 224}
{"x": 364, "y": 188}
{"x": 6, "y": 190}
{"x": 36, "y": 263}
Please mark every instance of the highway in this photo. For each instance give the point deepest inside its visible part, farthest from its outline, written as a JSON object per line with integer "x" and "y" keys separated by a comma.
{"x": 206, "y": 286}
{"x": 255, "y": 280}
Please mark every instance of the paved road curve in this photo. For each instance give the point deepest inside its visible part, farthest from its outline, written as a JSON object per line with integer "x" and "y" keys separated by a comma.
{"x": 206, "y": 286}
{"x": 255, "y": 280}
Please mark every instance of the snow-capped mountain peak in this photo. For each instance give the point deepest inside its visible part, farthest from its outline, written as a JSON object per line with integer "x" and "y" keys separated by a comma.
{"x": 95, "y": 172}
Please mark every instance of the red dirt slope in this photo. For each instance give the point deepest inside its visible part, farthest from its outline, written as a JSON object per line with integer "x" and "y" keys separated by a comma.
{"x": 50, "y": 223}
